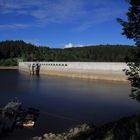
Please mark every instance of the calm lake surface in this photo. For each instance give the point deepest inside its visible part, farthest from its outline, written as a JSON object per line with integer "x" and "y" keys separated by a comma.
{"x": 65, "y": 102}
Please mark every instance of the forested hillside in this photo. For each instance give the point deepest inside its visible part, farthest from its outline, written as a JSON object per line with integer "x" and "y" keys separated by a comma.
{"x": 11, "y": 51}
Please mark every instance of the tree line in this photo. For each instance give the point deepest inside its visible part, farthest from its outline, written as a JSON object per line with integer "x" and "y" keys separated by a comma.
{"x": 11, "y": 51}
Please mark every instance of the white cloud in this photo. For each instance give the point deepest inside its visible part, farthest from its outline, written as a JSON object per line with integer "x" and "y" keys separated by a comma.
{"x": 79, "y": 45}
{"x": 69, "y": 45}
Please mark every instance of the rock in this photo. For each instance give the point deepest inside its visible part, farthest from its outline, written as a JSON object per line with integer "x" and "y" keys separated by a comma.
{"x": 37, "y": 138}
{"x": 59, "y": 137}
{"x": 127, "y": 128}
{"x": 76, "y": 131}
{"x": 52, "y": 136}
{"x": 71, "y": 130}
{"x": 46, "y": 136}
{"x": 85, "y": 127}
{"x": 65, "y": 136}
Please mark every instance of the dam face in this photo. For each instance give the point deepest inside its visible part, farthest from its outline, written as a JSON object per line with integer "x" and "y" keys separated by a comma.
{"x": 88, "y": 70}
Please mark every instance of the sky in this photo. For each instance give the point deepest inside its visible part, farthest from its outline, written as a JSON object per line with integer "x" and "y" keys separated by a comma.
{"x": 63, "y": 23}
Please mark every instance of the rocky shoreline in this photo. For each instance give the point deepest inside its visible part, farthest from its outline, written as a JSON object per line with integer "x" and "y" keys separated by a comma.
{"x": 65, "y": 136}
{"x": 127, "y": 128}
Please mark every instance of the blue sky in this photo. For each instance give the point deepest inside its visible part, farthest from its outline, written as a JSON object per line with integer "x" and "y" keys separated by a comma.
{"x": 55, "y": 23}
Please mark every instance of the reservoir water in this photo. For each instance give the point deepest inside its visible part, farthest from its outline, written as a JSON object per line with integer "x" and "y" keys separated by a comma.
{"x": 65, "y": 102}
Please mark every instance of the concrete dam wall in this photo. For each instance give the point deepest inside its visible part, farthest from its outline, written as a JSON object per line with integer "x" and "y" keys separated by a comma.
{"x": 88, "y": 70}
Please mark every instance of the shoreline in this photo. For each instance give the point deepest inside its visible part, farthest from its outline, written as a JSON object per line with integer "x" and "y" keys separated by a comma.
{"x": 8, "y": 67}
{"x": 114, "y": 130}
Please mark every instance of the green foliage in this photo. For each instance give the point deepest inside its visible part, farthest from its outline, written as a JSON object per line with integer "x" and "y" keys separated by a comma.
{"x": 131, "y": 29}
{"x": 12, "y": 49}
{"x": 8, "y": 62}
{"x": 29, "y": 52}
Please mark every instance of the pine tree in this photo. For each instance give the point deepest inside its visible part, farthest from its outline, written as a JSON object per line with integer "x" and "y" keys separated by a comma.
{"x": 131, "y": 29}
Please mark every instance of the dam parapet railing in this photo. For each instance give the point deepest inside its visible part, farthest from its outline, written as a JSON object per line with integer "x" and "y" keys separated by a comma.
{"x": 88, "y": 70}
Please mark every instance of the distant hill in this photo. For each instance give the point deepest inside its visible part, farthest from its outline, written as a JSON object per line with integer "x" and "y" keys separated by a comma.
{"x": 10, "y": 51}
